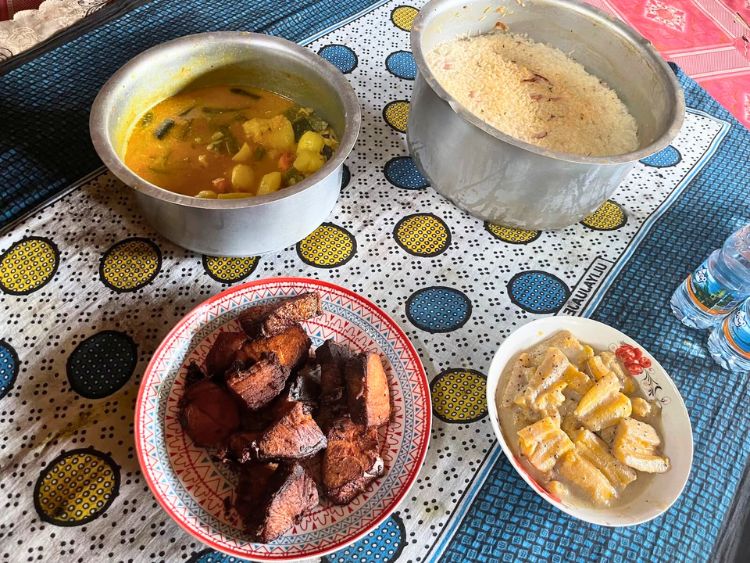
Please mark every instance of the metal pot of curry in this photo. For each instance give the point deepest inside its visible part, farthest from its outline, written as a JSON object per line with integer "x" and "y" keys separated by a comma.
{"x": 233, "y": 142}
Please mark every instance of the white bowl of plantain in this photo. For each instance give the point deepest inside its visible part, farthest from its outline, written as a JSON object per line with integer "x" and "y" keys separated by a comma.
{"x": 590, "y": 420}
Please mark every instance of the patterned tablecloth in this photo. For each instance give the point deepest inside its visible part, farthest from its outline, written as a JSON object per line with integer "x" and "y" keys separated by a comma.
{"x": 88, "y": 290}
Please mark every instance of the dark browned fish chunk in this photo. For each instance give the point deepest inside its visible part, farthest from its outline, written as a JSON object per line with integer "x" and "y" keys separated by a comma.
{"x": 251, "y": 320}
{"x": 314, "y": 467}
{"x": 291, "y": 347}
{"x": 252, "y": 488}
{"x": 294, "y": 436}
{"x": 243, "y": 446}
{"x": 271, "y": 319}
{"x": 305, "y": 386}
{"x": 351, "y": 460}
{"x": 260, "y": 383}
{"x": 209, "y": 414}
{"x": 367, "y": 391}
{"x": 333, "y": 359}
{"x": 289, "y": 493}
{"x": 223, "y": 352}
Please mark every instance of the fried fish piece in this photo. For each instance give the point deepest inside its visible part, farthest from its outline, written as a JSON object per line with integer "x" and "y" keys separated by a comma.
{"x": 294, "y": 436}
{"x": 209, "y": 414}
{"x": 314, "y": 467}
{"x": 288, "y": 493}
{"x": 251, "y": 320}
{"x": 260, "y": 383}
{"x": 305, "y": 387}
{"x": 273, "y": 318}
{"x": 368, "y": 397}
{"x": 333, "y": 359}
{"x": 291, "y": 347}
{"x": 351, "y": 460}
{"x": 224, "y": 352}
{"x": 252, "y": 487}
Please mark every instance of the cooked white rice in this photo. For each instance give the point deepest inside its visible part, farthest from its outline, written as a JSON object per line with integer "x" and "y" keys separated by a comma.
{"x": 535, "y": 93}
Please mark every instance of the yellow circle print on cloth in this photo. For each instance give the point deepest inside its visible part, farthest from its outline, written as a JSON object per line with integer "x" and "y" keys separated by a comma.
{"x": 512, "y": 234}
{"x": 396, "y": 115}
{"x": 403, "y": 17}
{"x": 76, "y": 487}
{"x": 422, "y": 234}
{"x": 229, "y": 270}
{"x": 328, "y": 246}
{"x": 28, "y": 265}
{"x": 458, "y": 395}
{"x": 608, "y": 217}
{"x": 130, "y": 264}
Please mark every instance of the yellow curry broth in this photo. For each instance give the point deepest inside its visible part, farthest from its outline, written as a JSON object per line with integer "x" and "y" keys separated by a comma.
{"x": 189, "y": 143}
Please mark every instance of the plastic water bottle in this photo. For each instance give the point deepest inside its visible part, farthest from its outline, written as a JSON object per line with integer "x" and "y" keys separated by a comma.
{"x": 729, "y": 342}
{"x": 717, "y": 286}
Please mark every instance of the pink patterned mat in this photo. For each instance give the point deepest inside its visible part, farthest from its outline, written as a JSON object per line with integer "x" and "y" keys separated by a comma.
{"x": 709, "y": 39}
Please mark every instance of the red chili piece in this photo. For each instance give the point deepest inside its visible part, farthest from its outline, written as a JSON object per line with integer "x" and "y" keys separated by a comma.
{"x": 633, "y": 358}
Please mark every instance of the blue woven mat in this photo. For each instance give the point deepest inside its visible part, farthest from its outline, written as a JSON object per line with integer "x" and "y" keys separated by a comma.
{"x": 509, "y": 522}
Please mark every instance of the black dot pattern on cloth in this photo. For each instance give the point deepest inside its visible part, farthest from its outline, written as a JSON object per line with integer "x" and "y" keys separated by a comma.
{"x": 102, "y": 364}
{"x": 150, "y": 284}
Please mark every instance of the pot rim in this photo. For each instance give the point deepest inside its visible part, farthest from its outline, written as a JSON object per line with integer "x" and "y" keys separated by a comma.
{"x": 103, "y": 146}
{"x": 636, "y": 40}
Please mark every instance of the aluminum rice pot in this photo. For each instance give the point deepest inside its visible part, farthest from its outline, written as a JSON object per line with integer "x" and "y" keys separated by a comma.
{"x": 507, "y": 181}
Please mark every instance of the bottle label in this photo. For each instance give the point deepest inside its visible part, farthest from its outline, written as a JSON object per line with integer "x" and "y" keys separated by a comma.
{"x": 708, "y": 294}
{"x": 737, "y": 333}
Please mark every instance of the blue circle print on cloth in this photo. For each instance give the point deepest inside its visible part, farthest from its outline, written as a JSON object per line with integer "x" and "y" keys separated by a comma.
{"x": 383, "y": 545}
{"x": 101, "y": 364}
{"x": 402, "y": 173}
{"x": 211, "y": 556}
{"x": 438, "y": 309}
{"x": 538, "y": 292}
{"x": 8, "y": 367}
{"x": 340, "y": 56}
{"x": 664, "y": 158}
{"x": 401, "y": 64}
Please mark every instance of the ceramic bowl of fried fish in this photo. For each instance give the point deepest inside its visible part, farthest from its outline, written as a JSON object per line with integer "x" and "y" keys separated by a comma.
{"x": 272, "y": 421}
